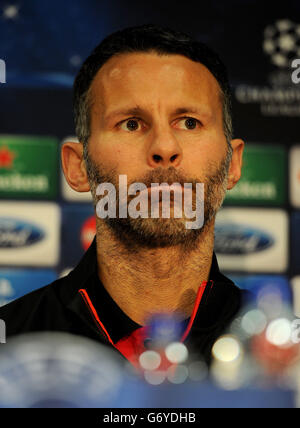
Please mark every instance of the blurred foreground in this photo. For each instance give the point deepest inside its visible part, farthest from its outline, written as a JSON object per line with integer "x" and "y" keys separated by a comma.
{"x": 255, "y": 364}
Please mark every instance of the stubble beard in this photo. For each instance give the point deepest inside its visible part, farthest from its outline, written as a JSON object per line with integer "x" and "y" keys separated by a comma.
{"x": 136, "y": 233}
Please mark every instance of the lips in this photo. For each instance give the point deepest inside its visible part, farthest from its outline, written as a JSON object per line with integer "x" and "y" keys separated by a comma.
{"x": 157, "y": 189}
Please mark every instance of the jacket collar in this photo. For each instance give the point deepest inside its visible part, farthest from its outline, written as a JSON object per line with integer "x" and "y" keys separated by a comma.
{"x": 221, "y": 298}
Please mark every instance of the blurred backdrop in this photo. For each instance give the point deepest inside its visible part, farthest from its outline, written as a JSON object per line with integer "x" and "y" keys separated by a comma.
{"x": 45, "y": 227}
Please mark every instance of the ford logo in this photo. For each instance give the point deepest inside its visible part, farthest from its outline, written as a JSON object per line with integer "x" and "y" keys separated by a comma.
{"x": 239, "y": 239}
{"x": 15, "y": 233}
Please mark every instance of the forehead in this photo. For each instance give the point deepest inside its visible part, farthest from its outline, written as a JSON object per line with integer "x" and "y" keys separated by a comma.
{"x": 166, "y": 79}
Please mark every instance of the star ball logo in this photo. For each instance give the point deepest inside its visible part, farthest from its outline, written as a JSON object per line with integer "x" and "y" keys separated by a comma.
{"x": 282, "y": 42}
{"x": 278, "y": 96}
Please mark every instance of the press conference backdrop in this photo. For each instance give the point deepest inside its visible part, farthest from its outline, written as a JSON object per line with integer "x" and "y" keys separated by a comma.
{"x": 45, "y": 227}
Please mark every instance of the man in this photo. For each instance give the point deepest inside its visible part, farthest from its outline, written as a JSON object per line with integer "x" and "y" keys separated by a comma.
{"x": 151, "y": 105}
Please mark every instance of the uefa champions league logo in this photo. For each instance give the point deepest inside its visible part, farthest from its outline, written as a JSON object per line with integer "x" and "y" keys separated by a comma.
{"x": 282, "y": 42}
{"x": 282, "y": 45}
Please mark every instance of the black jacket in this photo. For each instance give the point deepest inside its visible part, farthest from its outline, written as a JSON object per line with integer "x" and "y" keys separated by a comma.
{"x": 62, "y": 306}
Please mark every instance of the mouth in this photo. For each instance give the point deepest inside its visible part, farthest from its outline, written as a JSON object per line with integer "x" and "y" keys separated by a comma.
{"x": 161, "y": 190}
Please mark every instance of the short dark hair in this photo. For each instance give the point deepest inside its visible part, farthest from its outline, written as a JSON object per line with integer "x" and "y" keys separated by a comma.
{"x": 146, "y": 38}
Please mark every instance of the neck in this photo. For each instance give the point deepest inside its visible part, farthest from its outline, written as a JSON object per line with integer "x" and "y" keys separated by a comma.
{"x": 149, "y": 281}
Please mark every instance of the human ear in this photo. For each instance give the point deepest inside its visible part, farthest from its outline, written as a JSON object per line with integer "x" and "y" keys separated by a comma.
{"x": 74, "y": 166}
{"x": 235, "y": 169}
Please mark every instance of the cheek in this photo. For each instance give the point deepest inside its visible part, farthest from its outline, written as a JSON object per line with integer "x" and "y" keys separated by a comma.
{"x": 103, "y": 151}
{"x": 116, "y": 156}
{"x": 213, "y": 148}
{"x": 200, "y": 153}
{"x": 201, "y": 158}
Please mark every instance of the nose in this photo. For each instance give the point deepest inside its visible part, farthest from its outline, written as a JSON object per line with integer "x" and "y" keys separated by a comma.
{"x": 164, "y": 151}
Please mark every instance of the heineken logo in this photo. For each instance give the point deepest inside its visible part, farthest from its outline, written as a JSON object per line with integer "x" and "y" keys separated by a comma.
{"x": 254, "y": 190}
{"x": 24, "y": 183}
{"x": 238, "y": 239}
{"x": 15, "y": 181}
{"x": 28, "y": 166}
{"x": 15, "y": 233}
{"x": 6, "y": 157}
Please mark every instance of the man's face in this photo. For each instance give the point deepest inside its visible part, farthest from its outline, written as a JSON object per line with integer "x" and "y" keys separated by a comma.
{"x": 158, "y": 119}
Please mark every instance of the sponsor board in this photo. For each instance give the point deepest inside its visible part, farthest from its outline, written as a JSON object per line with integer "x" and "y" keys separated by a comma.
{"x": 18, "y": 282}
{"x": 252, "y": 240}
{"x": 28, "y": 167}
{"x": 67, "y": 192}
{"x": 29, "y": 233}
{"x": 295, "y": 284}
{"x": 263, "y": 178}
{"x": 279, "y": 96}
{"x": 295, "y": 242}
{"x": 78, "y": 231}
{"x": 295, "y": 176}
{"x": 274, "y": 284}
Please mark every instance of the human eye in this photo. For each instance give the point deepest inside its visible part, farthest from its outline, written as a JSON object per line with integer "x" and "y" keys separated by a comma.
{"x": 188, "y": 123}
{"x": 131, "y": 124}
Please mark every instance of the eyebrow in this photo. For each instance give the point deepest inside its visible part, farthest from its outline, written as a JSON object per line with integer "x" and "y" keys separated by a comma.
{"x": 137, "y": 110}
{"x": 183, "y": 110}
{"x": 133, "y": 111}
